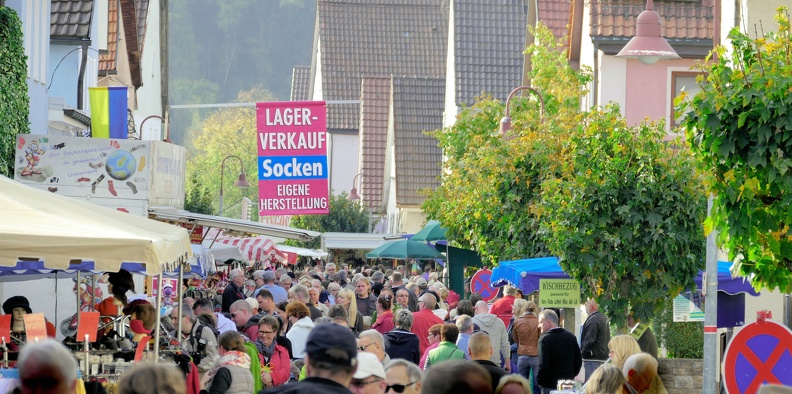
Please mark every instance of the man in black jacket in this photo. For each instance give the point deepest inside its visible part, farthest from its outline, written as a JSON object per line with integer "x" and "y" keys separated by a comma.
{"x": 594, "y": 338}
{"x": 234, "y": 290}
{"x": 559, "y": 353}
{"x": 480, "y": 351}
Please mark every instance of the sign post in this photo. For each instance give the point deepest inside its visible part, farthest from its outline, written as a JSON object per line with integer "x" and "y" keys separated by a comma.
{"x": 292, "y": 163}
{"x": 480, "y": 283}
{"x": 760, "y": 353}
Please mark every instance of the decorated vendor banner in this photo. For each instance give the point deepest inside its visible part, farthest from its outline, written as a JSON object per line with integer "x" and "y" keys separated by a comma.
{"x": 559, "y": 293}
{"x": 292, "y": 164}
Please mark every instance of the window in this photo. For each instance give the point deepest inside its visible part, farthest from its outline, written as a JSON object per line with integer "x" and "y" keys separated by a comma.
{"x": 682, "y": 80}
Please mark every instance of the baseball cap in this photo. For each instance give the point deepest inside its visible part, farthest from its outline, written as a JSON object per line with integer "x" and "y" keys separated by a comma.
{"x": 421, "y": 282}
{"x": 368, "y": 365}
{"x": 326, "y": 340}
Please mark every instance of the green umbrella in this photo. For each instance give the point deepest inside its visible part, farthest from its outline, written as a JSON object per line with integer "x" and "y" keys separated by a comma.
{"x": 405, "y": 249}
{"x": 433, "y": 231}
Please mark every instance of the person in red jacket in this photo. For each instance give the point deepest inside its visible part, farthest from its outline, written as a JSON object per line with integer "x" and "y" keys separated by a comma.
{"x": 503, "y": 307}
{"x": 275, "y": 363}
{"x": 424, "y": 319}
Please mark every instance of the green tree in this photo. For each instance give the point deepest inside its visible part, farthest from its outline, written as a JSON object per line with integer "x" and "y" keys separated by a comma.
{"x": 199, "y": 199}
{"x": 345, "y": 217}
{"x": 740, "y": 127}
{"x": 620, "y": 209}
{"x": 227, "y": 132}
{"x": 14, "y": 100}
{"x": 626, "y": 219}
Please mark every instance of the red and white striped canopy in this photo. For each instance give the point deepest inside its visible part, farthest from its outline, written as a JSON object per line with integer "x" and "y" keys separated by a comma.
{"x": 257, "y": 248}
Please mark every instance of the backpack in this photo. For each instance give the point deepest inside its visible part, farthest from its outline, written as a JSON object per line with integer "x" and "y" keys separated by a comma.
{"x": 197, "y": 338}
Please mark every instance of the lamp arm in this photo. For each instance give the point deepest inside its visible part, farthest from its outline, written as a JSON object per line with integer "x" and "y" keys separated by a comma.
{"x": 534, "y": 91}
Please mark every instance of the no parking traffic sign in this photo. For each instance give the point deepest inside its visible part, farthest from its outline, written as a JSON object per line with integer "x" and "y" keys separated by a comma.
{"x": 480, "y": 283}
{"x": 761, "y": 353}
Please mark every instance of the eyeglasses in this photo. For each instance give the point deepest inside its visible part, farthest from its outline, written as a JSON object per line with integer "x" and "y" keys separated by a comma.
{"x": 399, "y": 388}
{"x": 235, "y": 313}
{"x": 363, "y": 348}
{"x": 266, "y": 332}
{"x": 365, "y": 383}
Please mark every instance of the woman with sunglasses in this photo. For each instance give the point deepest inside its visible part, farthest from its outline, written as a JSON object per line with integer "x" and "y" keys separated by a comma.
{"x": 275, "y": 362}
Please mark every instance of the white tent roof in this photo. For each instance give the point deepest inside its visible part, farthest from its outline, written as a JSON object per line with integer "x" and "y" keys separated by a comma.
{"x": 35, "y": 224}
{"x": 356, "y": 240}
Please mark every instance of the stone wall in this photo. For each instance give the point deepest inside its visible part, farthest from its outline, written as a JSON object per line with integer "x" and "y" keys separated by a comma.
{"x": 682, "y": 375}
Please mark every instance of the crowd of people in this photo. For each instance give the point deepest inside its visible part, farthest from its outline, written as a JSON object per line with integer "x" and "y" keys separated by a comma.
{"x": 374, "y": 330}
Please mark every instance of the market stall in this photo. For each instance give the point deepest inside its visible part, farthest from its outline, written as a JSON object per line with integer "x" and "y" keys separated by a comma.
{"x": 58, "y": 232}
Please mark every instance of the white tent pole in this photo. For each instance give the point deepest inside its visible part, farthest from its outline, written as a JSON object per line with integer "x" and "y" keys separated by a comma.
{"x": 159, "y": 319}
{"x": 79, "y": 288}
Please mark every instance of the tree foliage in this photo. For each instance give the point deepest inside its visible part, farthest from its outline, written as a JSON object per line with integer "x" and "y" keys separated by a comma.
{"x": 227, "y": 132}
{"x": 626, "y": 218}
{"x": 740, "y": 126}
{"x": 345, "y": 217}
{"x": 620, "y": 209}
{"x": 14, "y": 100}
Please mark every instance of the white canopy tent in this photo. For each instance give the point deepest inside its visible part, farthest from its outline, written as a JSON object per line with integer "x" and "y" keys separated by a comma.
{"x": 38, "y": 225}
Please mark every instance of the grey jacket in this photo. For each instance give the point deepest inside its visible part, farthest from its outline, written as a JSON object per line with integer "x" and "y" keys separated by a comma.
{"x": 496, "y": 330}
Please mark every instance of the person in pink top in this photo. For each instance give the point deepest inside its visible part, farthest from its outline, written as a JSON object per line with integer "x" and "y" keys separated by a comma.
{"x": 434, "y": 341}
{"x": 424, "y": 319}
{"x": 503, "y": 307}
{"x": 384, "y": 321}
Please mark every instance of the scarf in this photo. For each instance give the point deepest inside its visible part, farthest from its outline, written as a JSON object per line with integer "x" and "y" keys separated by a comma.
{"x": 235, "y": 358}
{"x": 266, "y": 351}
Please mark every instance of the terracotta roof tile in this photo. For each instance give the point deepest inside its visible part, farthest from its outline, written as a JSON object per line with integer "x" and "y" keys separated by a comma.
{"x": 374, "y": 110}
{"x": 555, "y": 15}
{"x": 301, "y": 78}
{"x": 71, "y": 18}
{"x": 107, "y": 61}
{"x": 417, "y": 107}
{"x": 376, "y": 37}
{"x": 681, "y": 19}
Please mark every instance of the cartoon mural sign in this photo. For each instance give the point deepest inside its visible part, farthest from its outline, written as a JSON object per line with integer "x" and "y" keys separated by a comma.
{"x": 94, "y": 167}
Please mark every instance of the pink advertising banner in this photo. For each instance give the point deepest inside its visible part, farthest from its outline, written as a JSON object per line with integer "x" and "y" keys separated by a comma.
{"x": 292, "y": 164}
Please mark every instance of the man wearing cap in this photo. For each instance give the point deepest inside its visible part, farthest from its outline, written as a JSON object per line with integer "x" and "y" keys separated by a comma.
{"x": 279, "y": 294}
{"x": 330, "y": 361}
{"x": 370, "y": 375}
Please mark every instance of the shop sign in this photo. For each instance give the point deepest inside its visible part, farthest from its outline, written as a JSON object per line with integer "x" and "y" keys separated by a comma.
{"x": 292, "y": 164}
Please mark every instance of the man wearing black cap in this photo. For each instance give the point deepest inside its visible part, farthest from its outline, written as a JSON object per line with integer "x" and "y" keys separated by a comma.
{"x": 330, "y": 362}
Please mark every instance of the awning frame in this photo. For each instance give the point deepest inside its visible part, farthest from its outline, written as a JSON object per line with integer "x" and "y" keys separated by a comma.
{"x": 229, "y": 225}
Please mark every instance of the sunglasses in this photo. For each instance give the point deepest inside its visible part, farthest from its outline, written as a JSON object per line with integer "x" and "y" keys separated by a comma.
{"x": 399, "y": 388}
{"x": 235, "y": 313}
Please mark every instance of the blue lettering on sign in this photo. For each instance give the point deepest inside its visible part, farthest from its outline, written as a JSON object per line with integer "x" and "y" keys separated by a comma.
{"x": 292, "y": 167}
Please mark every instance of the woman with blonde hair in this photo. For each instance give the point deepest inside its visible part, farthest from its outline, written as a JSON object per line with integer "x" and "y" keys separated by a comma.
{"x": 606, "y": 379}
{"x": 514, "y": 384}
{"x": 621, "y": 348}
{"x": 347, "y": 299}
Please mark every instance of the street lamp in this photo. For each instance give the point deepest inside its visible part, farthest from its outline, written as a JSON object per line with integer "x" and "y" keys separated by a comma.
{"x": 505, "y": 123}
{"x": 648, "y": 45}
{"x": 241, "y": 182}
{"x": 354, "y": 196}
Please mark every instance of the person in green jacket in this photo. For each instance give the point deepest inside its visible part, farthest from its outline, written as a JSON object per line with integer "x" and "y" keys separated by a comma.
{"x": 447, "y": 349}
